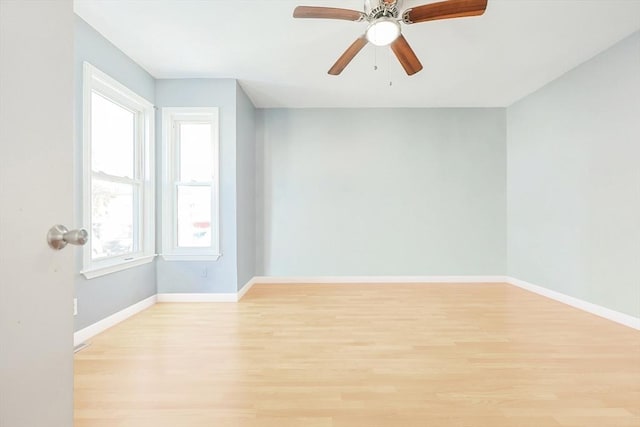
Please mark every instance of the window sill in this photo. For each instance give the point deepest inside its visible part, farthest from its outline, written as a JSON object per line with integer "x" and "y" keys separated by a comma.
{"x": 191, "y": 257}
{"x": 94, "y": 272}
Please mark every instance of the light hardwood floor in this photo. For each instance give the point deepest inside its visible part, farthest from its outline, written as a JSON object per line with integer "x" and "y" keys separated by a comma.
{"x": 362, "y": 355}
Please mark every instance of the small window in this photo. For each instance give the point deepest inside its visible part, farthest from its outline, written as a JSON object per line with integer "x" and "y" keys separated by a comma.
{"x": 118, "y": 205}
{"x": 190, "y": 186}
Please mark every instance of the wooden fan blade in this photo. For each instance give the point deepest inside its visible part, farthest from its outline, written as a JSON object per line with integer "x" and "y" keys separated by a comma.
{"x": 327, "y": 13}
{"x": 406, "y": 55}
{"x": 348, "y": 55}
{"x": 444, "y": 10}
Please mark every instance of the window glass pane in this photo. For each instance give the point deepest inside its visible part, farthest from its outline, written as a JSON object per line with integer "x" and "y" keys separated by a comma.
{"x": 112, "y": 218}
{"x": 194, "y": 216}
{"x": 196, "y": 156}
{"x": 112, "y": 137}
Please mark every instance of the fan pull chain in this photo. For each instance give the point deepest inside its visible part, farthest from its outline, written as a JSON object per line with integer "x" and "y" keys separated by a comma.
{"x": 375, "y": 58}
{"x": 389, "y": 68}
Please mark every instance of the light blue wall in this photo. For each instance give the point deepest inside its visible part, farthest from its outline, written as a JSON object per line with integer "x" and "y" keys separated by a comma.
{"x": 246, "y": 186}
{"x": 205, "y": 276}
{"x": 574, "y": 182}
{"x": 103, "y": 296}
{"x": 407, "y": 191}
{"x": 382, "y": 191}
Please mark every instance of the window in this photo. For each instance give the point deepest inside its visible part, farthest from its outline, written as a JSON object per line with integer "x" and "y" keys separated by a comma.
{"x": 190, "y": 226}
{"x": 118, "y": 203}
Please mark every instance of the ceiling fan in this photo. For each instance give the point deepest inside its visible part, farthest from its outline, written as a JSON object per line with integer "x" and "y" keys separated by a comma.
{"x": 384, "y": 28}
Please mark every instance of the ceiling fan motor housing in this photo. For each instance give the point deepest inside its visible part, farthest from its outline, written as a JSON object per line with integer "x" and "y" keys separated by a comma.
{"x": 375, "y": 9}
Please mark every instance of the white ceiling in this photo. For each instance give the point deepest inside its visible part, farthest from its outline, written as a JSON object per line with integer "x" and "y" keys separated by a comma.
{"x": 492, "y": 60}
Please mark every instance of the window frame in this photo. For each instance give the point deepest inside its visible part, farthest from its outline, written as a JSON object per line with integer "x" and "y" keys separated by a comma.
{"x": 170, "y": 181}
{"x": 144, "y": 173}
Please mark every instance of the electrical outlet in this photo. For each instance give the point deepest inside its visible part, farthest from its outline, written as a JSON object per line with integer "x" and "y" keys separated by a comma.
{"x": 75, "y": 306}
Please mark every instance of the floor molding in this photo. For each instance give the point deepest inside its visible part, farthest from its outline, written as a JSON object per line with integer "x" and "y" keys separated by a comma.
{"x": 171, "y": 297}
{"x": 376, "y": 279}
{"x": 206, "y": 297}
{"x": 243, "y": 290}
{"x": 598, "y": 310}
{"x": 91, "y": 331}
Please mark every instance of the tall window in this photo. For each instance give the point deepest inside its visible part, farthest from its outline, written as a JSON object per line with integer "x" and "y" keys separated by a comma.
{"x": 118, "y": 175}
{"x": 190, "y": 207}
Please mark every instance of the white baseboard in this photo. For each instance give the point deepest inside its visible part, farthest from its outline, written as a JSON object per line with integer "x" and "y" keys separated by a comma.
{"x": 243, "y": 290}
{"x": 304, "y": 280}
{"x": 226, "y": 297}
{"x": 376, "y": 279}
{"x": 91, "y": 331}
{"x": 598, "y": 310}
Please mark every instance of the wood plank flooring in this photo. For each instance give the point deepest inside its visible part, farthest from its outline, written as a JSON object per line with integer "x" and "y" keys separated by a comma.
{"x": 449, "y": 355}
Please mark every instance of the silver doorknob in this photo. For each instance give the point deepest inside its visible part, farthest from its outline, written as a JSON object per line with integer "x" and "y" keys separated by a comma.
{"x": 59, "y": 236}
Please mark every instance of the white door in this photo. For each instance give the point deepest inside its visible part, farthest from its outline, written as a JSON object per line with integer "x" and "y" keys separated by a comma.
{"x": 36, "y": 192}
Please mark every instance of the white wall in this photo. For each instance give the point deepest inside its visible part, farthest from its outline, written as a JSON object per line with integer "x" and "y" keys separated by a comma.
{"x": 574, "y": 182}
{"x": 381, "y": 192}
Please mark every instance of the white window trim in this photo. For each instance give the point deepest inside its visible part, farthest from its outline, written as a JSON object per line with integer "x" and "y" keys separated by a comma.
{"x": 170, "y": 251}
{"x": 96, "y": 79}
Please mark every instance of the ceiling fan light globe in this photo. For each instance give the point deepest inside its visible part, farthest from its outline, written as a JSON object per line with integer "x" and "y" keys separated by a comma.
{"x": 383, "y": 31}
